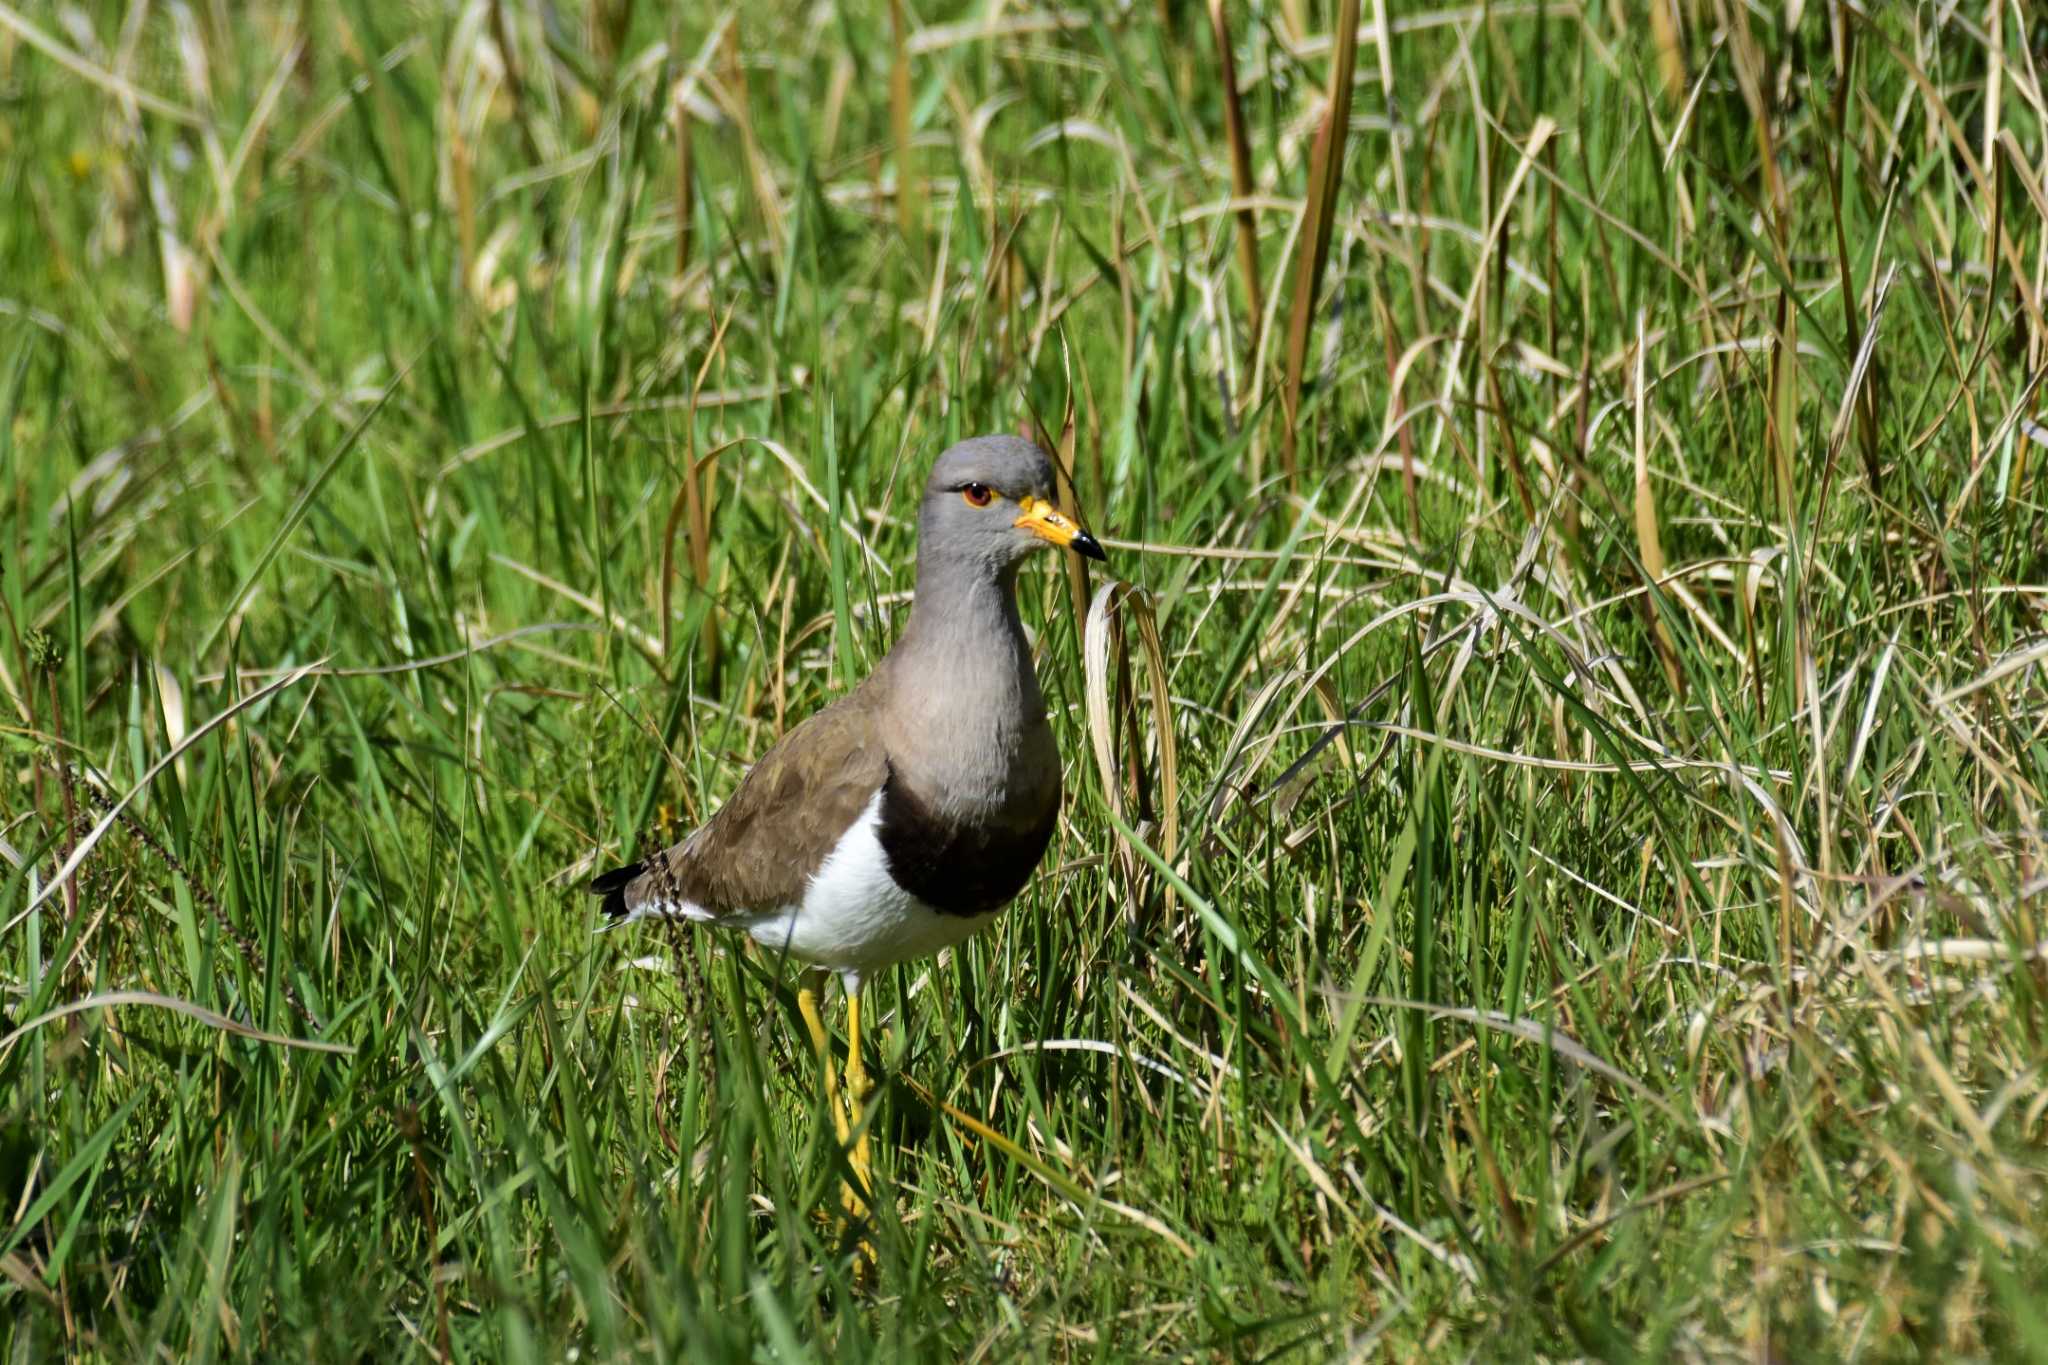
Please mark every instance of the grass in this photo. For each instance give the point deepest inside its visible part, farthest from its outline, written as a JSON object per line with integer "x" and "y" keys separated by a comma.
{"x": 1591, "y": 905}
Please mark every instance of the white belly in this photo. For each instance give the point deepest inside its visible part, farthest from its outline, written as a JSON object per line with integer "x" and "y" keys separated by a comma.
{"x": 854, "y": 918}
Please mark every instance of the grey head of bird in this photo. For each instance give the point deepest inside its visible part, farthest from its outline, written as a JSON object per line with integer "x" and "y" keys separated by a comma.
{"x": 988, "y": 503}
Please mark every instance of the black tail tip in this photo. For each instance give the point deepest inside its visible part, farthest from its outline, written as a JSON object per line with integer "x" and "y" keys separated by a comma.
{"x": 612, "y": 886}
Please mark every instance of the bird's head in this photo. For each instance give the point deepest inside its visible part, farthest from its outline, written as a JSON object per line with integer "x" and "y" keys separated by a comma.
{"x": 989, "y": 501}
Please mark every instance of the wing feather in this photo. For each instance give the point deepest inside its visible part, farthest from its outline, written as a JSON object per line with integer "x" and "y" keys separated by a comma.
{"x": 759, "y": 851}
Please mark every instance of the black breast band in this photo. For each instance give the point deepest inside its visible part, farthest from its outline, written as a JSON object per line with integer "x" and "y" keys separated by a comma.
{"x": 954, "y": 868}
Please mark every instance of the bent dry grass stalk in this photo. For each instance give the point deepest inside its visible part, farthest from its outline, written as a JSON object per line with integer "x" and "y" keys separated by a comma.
{"x": 1555, "y": 869}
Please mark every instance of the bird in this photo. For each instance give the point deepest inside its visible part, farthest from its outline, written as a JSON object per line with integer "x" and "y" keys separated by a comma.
{"x": 907, "y": 814}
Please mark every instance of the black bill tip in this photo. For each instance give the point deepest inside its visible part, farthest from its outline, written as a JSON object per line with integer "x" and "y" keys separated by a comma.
{"x": 1085, "y": 544}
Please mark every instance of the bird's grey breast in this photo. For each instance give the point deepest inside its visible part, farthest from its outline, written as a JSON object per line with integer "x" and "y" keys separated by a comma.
{"x": 973, "y": 785}
{"x": 964, "y": 864}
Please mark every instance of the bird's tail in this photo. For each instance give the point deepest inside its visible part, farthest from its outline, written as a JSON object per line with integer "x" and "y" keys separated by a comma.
{"x": 612, "y": 886}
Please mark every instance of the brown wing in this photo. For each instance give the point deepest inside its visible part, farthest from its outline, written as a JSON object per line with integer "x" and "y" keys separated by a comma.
{"x": 760, "y": 849}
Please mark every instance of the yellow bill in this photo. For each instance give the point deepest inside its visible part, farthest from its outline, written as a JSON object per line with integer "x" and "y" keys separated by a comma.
{"x": 1048, "y": 523}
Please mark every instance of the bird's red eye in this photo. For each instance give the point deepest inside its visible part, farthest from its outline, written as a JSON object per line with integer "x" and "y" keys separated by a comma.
{"x": 978, "y": 494}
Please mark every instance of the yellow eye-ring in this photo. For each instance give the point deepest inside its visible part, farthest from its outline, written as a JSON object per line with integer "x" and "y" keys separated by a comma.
{"x": 978, "y": 494}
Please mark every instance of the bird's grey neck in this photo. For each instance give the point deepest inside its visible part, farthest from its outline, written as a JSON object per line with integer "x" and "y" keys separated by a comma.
{"x": 963, "y": 628}
{"x": 967, "y": 702}
{"x": 967, "y": 596}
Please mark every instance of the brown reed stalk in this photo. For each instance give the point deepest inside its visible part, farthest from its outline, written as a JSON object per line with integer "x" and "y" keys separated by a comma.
{"x": 1241, "y": 183}
{"x": 1319, "y": 211}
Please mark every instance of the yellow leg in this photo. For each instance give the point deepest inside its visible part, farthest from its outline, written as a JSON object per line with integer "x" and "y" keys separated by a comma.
{"x": 853, "y": 1195}
{"x": 807, "y": 1005}
{"x": 856, "y": 1104}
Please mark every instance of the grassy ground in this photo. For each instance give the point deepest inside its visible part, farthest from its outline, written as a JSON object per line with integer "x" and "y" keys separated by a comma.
{"x": 442, "y": 444}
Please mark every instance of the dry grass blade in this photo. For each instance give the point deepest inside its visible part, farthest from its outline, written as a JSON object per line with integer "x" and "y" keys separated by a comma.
{"x": 686, "y": 198}
{"x": 1064, "y": 492}
{"x": 1067, "y": 1186}
{"x": 1649, "y": 543}
{"x": 692, "y": 508}
{"x": 1782, "y": 424}
{"x": 1540, "y": 1032}
{"x": 1781, "y": 416}
{"x": 1859, "y": 327}
{"x": 1112, "y": 602}
{"x": 92, "y": 72}
{"x": 1063, "y": 478}
{"x": 106, "y": 822}
{"x": 1319, "y": 211}
{"x": 1629, "y": 1210}
{"x": 1670, "y": 49}
{"x": 1489, "y": 1166}
{"x": 108, "y": 999}
{"x": 648, "y": 644}
{"x": 688, "y": 508}
{"x": 760, "y": 174}
{"x": 907, "y": 215}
